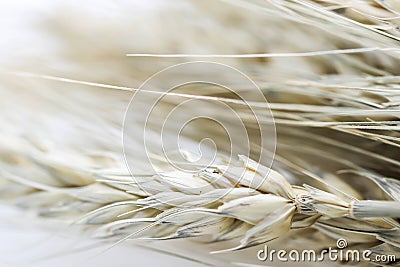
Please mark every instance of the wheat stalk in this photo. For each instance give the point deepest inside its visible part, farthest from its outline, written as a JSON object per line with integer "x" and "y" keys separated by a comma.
{"x": 332, "y": 90}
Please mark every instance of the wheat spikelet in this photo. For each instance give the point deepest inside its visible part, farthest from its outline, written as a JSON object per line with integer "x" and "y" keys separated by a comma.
{"x": 85, "y": 141}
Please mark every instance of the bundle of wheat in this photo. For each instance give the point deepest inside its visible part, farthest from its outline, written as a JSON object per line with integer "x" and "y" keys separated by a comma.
{"x": 214, "y": 126}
